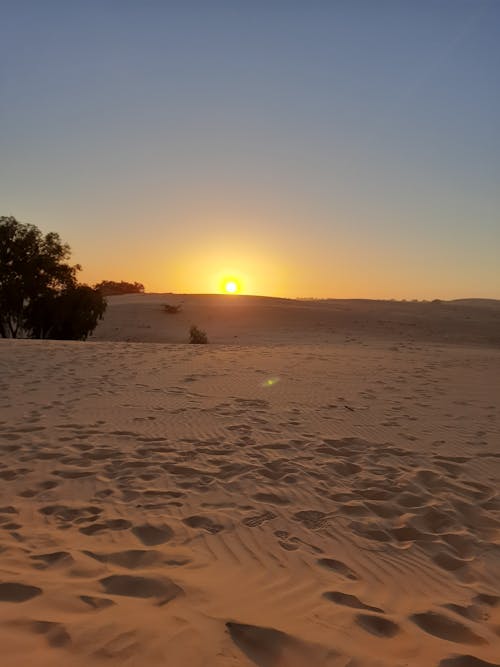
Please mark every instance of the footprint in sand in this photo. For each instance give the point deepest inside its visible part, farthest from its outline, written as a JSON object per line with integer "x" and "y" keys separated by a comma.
{"x": 8, "y": 509}
{"x": 349, "y": 601}
{"x": 443, "y": 627}
{"x": 10, "y": 525}
{"x": 48, "y": 484}
{"x": 64, "y": 513}
{"x": 271, "y": 499}
{"x": 337, "y": 566}
{"x": 55, "y": 633}
{"x": 53, "y": 559}
{"x": 8, "y": 475}
{"x": 312, "y": 519}
{"x": 472, "y": 612}
{"x": 466, "y": 661}
{"x": 15, "y": 592}
{"x": 267, "y": 647}
{"x": 450, "y": 563}
{"x": 130, "y": 559}
{"x": 73, "y": 474}
{"x": 141, "y": 587}
{"x": 378, "y": 626}
{"x": 97, "y": 603}
{"x": 151, "y": 535}
{"x": 259, "y": 519}
{"x": 28, "y": 493}
{"x": 203, "y": 522}
{"x": 111, "y": 524}
{"x": 485, "y": 598}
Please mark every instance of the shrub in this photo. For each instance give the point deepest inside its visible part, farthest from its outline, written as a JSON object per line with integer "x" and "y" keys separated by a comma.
{"x": 197, "y": 336}
{"x": 172, "y": 310}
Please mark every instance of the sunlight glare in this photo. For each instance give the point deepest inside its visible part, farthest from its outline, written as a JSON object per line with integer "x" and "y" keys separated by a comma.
{"x": 231, "y": 287}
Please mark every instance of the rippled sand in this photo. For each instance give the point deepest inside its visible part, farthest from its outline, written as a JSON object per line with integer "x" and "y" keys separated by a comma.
{"x": 275, "y": 505}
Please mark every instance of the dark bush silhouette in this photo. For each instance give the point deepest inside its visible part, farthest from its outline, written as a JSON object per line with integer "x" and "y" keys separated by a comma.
{"x": 172, "y": 310}
{"x": 111, "y": 288}
{"x": 197, "y": 336}
{"x": 70, "y": 315}
{"x": 39, "y": 293}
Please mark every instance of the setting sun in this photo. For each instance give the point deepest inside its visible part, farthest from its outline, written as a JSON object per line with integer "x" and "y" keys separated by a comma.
{"x": 231, "y": 286}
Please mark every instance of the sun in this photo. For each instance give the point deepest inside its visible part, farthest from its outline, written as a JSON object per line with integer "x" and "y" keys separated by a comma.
{"x": 230, "y": 286}
{"x": 229, "y": 283}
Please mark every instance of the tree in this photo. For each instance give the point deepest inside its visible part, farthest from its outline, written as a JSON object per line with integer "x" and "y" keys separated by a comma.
{"x": 111, "y": 287}
{"x": 39, "y": 293}
{"x": 70, "y": 315}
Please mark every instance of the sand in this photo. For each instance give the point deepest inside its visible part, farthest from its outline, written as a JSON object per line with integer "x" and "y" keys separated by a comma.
{"x": 293, "y": 503}
{"x": 259, "y": 320}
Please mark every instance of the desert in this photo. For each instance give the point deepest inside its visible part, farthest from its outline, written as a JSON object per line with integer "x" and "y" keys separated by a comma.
{"x": 250, "y": 333}
{"x": 324, "y": 495}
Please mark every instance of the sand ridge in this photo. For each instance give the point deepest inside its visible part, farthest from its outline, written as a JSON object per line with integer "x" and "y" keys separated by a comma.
{"x": 250, "y": 320}
{"x": 166, "y": 505}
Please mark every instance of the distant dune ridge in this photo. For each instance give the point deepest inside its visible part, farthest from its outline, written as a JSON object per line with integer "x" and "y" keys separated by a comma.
{"x": 257, "y": 320}
{"x": 319, "y": 486}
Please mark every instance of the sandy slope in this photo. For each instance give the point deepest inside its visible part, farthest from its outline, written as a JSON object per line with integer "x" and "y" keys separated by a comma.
{"x": 279, "y": 506}
{"x": 257, "y": 320}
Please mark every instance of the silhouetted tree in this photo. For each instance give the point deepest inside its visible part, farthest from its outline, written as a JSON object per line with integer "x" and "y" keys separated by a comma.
{"x": 110, "y": 287}
{"x": 39, "y": 293}
{"x": 70, "y": 315}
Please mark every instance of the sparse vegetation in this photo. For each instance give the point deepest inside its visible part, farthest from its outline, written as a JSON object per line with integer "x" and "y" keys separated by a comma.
{"x": 112, "y": 288}
{"x": 197, "y": 336}
{"x": 172, "y": 310}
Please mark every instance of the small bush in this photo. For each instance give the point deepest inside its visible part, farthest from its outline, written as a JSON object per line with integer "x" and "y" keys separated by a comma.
{"x": 197, "y": 336}
{"x": 172, "y": 310}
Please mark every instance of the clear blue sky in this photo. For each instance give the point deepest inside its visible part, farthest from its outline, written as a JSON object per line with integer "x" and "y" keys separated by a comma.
{"x": 306, "y": 148}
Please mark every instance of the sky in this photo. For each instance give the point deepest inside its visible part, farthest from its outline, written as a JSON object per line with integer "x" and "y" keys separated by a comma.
{"x": 305, "y": 149}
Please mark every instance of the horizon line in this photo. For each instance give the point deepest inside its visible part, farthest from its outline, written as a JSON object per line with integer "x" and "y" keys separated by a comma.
{"x": 312, "y": 298}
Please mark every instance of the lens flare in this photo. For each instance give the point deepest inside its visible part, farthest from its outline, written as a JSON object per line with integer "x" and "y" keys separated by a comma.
{"x": 269, "y": 382}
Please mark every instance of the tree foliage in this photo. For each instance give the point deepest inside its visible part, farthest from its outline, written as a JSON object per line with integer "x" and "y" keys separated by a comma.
{"x": 110, "y": 287}
{"x": 70, "y": 315}
{"x": 40, "y": 296}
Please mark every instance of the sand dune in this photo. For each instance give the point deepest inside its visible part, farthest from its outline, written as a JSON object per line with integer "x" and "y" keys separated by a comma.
{"x": 167, "y": 505}
{"x": 263, "y": 320}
